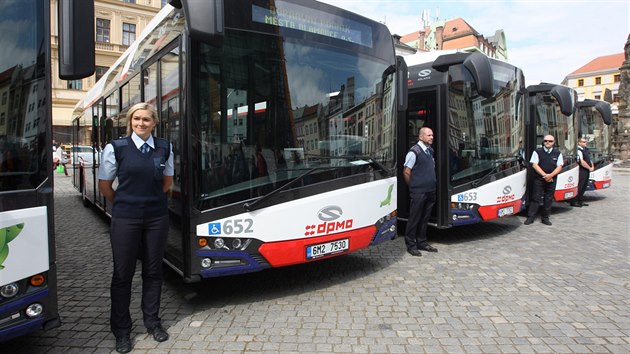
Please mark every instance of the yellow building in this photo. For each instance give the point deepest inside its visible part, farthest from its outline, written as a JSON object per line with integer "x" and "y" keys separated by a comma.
{"x": 593, "y": 79}
{"x": 117, "y": 23}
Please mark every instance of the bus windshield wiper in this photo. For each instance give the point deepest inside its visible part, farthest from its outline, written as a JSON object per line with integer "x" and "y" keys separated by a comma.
{"x": 493, "y": 170}
{"x": 368, "y": 160}
{"x": 252, "y": 206}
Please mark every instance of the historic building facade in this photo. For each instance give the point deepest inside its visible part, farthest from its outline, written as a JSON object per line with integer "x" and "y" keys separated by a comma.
{"x": 117, "y": 24}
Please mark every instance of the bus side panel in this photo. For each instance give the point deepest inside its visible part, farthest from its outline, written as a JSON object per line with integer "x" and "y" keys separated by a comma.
{"x": 494, "y": 200}
{"x": 601, "y": 178}
{"x": 357, "y": 217}
{"x": 566, "y": 185}
{"x": 24, "y": 235}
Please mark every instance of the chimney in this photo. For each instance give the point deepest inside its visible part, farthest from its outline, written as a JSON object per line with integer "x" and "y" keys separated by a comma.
{"x": 421, "y": 35}
{"x": 439, "y": 37}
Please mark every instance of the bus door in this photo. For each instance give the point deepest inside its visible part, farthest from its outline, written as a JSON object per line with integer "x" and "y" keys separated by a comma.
{"x": 421, "y": 112}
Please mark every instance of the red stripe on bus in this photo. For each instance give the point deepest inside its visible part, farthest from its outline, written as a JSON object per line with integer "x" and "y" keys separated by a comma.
{"x": 602, "y": 184}
{"x": 560, "y": 193}
{"x": 489, "y": 212}
{"x": 284, "y": 253}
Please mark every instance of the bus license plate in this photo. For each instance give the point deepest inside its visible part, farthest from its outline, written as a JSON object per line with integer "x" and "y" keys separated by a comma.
{"x": 506, "y": 211}
{"x": 328, "y": 248}
{"x": 606, "y": 185}
{"x": 568, "y": 195}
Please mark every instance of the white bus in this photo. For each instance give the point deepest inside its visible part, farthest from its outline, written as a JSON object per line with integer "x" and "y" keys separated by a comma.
{"x": 473, "y": 105}
{"x": 245, "y": 90}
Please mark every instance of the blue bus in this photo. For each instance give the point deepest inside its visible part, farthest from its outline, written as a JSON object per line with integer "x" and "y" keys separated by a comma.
{"x": 28, "y": 275}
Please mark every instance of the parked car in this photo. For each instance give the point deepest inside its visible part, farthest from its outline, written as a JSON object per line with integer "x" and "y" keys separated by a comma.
{"x": 83, "y": 154}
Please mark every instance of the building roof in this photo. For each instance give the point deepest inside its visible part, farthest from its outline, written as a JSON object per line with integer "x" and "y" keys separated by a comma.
{"x": 413, "y": 36}
{"x": 460, "y": 43}
{"x": 603, "y": 63}
{"x": 457, "y": 28}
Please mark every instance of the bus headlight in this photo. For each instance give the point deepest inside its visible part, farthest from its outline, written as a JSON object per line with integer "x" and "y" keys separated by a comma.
{"x": 236, "y": 243}
{"x": 9, "y": 290}
{"x": 206, "y": 263}
{"x": 219, "y": 243}
{"x": 34, "y": 310}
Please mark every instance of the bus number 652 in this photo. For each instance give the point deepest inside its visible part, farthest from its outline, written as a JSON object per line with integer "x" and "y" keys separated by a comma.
{"x": 238, "y": 226}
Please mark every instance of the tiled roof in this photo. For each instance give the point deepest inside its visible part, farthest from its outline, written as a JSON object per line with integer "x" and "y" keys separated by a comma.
{"x": 459, "y": 43}
{"x": 606, "y": 62}
{"x": 413, "y": 36}
{"x": 457, "y": 27}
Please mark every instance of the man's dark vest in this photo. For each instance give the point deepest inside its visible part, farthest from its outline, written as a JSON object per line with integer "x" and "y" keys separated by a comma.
{"x": 548, "y": 161}
{"x": 139, "y": 193}
{"x": 586, "y": 156}
{"x": 423, "y": 172}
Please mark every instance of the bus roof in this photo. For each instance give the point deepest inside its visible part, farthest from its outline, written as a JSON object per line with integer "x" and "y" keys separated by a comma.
{"x": 115, "y": 74}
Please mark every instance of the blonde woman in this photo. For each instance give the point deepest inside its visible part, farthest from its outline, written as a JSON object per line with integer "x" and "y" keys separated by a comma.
{"x": 143, "y": 165}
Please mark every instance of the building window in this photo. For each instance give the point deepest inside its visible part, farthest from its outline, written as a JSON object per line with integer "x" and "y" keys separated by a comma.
{"x": 616, "y": 99}
{"x": 581, "y": 82}
{"x": 130, "y": 1}
{"x": 74, "y": 84}
{"x": 4, "y": 98}
{"x": 617, "y": 78}
{"x": 2, "y": 118}
{"x": 100, "y": 71}
{"x": 129, "y": 33}
{"x": 598, "y": 80}
{"x": 102, "y": 30}
{"x": 598, "y": 97}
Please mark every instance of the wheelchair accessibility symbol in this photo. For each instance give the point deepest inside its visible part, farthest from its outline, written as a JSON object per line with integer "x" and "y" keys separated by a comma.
{"x": 214, "y": 228}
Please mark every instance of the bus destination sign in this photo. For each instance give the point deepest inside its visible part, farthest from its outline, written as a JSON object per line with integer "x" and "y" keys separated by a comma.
{"x": 314, "y": 21}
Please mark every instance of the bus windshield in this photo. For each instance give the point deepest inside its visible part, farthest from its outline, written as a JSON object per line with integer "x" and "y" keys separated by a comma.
{"x": 485, "y": 134}
{"x": 550, "y": 120}
{"x": 23, "y": 91}
{"x": 596, "y": 133}
{"x": 272, "y": 109}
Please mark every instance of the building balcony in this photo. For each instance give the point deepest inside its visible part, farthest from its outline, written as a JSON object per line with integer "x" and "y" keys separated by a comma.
{"x": 99, "y": 46}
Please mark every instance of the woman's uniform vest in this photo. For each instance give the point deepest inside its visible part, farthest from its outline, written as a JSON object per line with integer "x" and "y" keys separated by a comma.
{"x": 140, "y": 177}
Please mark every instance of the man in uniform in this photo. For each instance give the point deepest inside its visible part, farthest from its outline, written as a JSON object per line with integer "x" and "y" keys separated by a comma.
{"x": 586, "y": 167}
{"x": 419, "y": 174}
{"x": 547, "y": 163}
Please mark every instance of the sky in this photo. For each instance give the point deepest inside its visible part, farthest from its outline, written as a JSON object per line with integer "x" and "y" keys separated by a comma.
{"x": 548, "y": 39}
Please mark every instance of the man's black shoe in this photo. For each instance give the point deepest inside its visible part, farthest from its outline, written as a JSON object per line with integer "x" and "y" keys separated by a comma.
{"x": 546, "y": 222}
{"x": 529, "y": 221}
{"x": 123, "y": 344}
{"x": 159, "y": 333}
{"x": 415, "y": 253}
{"x": 428, "y": 248}
{"x": 577, "y": 205}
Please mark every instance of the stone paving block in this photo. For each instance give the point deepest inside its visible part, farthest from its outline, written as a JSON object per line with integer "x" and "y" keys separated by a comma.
{"x": 499, "y": 287}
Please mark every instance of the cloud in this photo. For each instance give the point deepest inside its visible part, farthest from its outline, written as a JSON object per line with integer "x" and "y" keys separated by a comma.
{"x": 14, "y": 53}
{"x": 548, "y": 39}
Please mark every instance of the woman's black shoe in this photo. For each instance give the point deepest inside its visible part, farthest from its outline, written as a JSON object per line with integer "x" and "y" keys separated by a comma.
{"x": 123, "y": 344}
{"x": 159, "y": 333}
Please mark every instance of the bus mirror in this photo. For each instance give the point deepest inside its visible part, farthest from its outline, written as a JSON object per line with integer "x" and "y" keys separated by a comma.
{"x": 519, "y": 98}
{"x": 401, "y": 82}
{"x": 76, "y": 39}
{"x": 604, "y": 109}
{"x": 204, "y": 20}
{"x": 563, "y": 95}
{"x": 481, "y": 70}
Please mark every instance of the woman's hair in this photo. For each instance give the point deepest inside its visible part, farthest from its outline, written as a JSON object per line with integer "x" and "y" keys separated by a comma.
{"x": 140, "y": 107}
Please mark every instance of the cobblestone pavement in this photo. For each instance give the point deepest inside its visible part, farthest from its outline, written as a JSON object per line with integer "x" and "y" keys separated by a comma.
{"x": 499, "y": 287}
